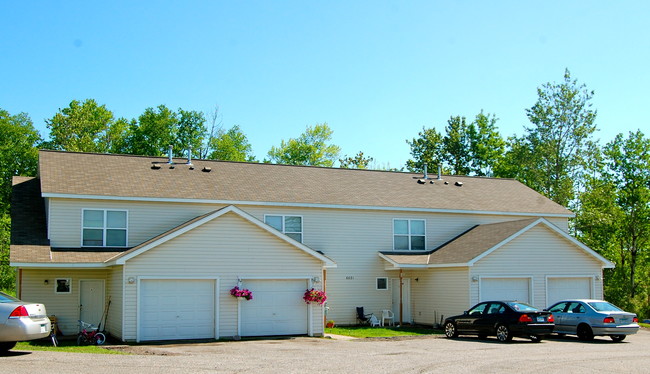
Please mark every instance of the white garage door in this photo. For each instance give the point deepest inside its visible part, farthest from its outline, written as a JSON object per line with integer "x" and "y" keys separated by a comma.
{"x": 505, "y": 289}
{"x": 277, "y": 308}
{"x": 568, "y": 288}
{"x": 172, "y": 309}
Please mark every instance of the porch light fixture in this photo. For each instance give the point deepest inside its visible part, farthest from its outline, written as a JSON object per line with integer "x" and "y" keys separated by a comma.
{"x": 131, "y": 280}
{"x": 597, "y": 277}
{"x": 46, "y": 282}
{"x": 316, "y": 279}
{"x": 475, "y": 279}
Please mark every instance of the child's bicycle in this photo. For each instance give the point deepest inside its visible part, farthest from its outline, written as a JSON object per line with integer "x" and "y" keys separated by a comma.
{"x": 89, "y": 335}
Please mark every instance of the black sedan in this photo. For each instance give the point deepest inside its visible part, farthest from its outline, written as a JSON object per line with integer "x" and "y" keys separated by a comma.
{"x": 503, "y": 319}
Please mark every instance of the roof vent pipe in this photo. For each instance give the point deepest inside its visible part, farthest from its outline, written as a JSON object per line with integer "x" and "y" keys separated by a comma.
{"x": 425, "y": 172}
{"x": 170, "y": 154}
{"x": 439, "y": 172}
{"x": 189, "y": 155}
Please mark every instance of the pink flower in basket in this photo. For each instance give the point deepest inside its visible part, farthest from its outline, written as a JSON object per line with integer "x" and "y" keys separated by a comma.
{"x": 315, "y": 296}
{"x": 238, "y": 292}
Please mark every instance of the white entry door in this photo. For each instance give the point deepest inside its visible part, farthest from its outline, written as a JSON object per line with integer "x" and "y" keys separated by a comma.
{"x": 277, "y": 308}
{"x": 509, "y": 289}
{"x": 406, "y": 299}
{"x": 91, "y": 300}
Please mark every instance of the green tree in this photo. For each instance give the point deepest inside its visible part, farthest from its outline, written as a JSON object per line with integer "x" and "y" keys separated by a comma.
{"x": 310, "y": 148}
{"x": 359, "y": 161}
{"x": 456, "y": 146}
{"x": 427, "y": 148}
{"x": 231, "y": 145}
{"x": 486, "y": 146}
{"x": 614, "y": 218}
{"x": 155, "y": 130}
{"x": 18, "y": 152}
{"x": 81, "y": 127}
{"x": 18, "y": 156}
{"x": 191, "y": 132}
{"x": 552, "y": 156}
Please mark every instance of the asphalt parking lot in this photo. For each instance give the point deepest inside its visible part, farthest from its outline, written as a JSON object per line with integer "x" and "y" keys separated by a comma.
{"x": 301, "y": 355}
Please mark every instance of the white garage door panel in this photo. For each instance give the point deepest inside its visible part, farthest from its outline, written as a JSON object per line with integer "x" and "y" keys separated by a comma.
{"x": 277, "y": 308}
{"x": 177, "y": 309}
{"x": 568, "y": 288}
{"x": 505, "y": 289}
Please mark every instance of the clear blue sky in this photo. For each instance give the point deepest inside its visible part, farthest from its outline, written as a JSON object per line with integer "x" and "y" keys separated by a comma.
{"x": 375, "y": 71}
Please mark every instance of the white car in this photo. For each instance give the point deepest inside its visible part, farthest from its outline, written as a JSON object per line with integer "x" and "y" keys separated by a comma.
{"x": 589, "y": 318}
{"x": 21, "y": 321}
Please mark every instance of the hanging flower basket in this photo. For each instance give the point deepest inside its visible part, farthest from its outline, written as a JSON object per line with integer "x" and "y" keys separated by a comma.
{"x": 315, "y": 296}
{"x": 244, "y": 293}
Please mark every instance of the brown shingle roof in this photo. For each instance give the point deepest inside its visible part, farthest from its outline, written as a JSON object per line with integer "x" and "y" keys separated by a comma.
{"x": 464, "y": 247}
{"x": 133, "y": 177}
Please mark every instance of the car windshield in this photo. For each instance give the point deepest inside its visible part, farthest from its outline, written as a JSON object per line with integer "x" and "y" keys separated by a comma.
{"x": 604, "y": 306}
{"x": 522, "y": 307}
{"x": 4, "y": 298}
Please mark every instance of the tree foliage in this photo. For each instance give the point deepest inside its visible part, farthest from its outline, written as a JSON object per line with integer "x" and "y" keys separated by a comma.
{"x": 464, "y": 149}
{"x": 231, "y": 145}
{"x": 614, "y": 218}
{"x": 18, "y": 156}
{"x": 311, "y": 148}
{"x": 81, "y": 127}
{"x": 553, "y": 154}
{"x": 359, "y": 161}
{"x": 426, "y": 149}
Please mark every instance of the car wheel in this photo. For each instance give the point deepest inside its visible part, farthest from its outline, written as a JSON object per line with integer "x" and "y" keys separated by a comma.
{"x": 450, "y": 330}
{"x": 617, "y": 338}
{"x": 585, "y": 333}
{"x": 536, "y": 338}
{"x": 503, "y": 333}
{"x": 100, "y": 338}
{"x": 5, "y": 346}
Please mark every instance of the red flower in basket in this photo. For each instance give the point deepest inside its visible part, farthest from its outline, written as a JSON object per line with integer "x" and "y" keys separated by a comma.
{"x": 315, "y": 296}
{"x": 245, "y": 293}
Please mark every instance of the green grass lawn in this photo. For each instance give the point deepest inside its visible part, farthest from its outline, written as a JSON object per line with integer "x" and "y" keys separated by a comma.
{"x": 646, "y": 325}
{"x": 64, "y": 346}
{"x": 381, "y": 332}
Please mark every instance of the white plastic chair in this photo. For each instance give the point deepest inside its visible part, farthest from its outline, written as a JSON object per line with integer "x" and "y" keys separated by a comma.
{"x": 373, "y": 321}
{"x": 387, "y": 315}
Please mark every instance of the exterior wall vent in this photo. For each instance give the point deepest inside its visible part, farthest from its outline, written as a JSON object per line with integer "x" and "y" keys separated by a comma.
{"x": 170, "y": 161}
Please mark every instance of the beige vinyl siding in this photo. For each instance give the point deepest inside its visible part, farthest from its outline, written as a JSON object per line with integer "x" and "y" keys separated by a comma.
{"x": 350, "y": 237}
{"x": 537, "y": 253}
{"x": 149, "y": 219}
{"x": 225, "y": 248}
{"x": 115, "y": 282}
{"x": 146, "y": 219}
{"x": 438, "y": 293}
{"x": 64, "y": 306}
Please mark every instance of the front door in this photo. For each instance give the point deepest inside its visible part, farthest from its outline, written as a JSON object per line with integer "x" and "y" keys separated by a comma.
{"x": 91, "y": 300}
{"x": 406, "y": 299}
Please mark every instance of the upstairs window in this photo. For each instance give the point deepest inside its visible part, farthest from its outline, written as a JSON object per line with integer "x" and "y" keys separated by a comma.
{"x": 104, "y": 228}
{"x": 291, "y": 226}
{"x": 408, "y": 235}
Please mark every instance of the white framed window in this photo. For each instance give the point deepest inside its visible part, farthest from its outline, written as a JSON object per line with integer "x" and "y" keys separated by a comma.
{"x": 409, "y": 234}
{"x": 291, "y": 226}
{"x": 382, "y": 283}
{"x": 63, "y": 285}
{"x": 104, "y": 228}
